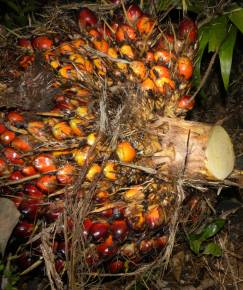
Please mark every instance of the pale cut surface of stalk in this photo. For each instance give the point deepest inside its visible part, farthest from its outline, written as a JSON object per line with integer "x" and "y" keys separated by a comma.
{"x": 190, "y": 150}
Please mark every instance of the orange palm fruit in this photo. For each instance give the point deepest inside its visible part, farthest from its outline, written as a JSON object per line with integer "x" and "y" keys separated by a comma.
{"x": 159, "y": 71}
{"x": 127, "y": 51}
{"x": 65, "y": 175}
{"x": 101, "y": 45}
{"x": 110, "y": 170}
{"x": 125, "y": 32}
{"x": 125, "y": 152}
{"x": 62, "y": 131}
{"x": 93, "y": 171}
{"x": 145, "y": 24}
{"x": 163, "y": 83}
{"x": 148, "y": 85}
{"x": 139, "y": 69}
{"x": 76, "y": 126}
{"x": 185, "y": 67}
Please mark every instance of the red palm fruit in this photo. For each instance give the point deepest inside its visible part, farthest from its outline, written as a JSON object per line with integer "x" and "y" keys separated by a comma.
{"x": 59, "y": 265}
{"x": 164, "y": 56}
{"x": 44, "y": 163}
{"x": 187, "y": 30}
{"x": 108, "y": 248}
{"x": 116, "y": 266}
{"x": 160, "y": 242}
{"x": 29, "y": 209}
{"x": 163, "y": 84}
{"x": 37, "y": 129}
{"x": 42, "y": 42}
{"x": 29, "y": 170}
{"x": 87, "y": 224}
{"x": 155, "y": 216}
{"x": 18, "y": 198}
{"x": 26, "y": 60}
{"x": 145, "y": 24}
{"x": 23, "y": 229}
{"x": 47, "y": 183}
{"x": 185, "y": 103}
{"x": 86, "y": 17}
{"x": 62, "y": 131}
{"x": 119, "y": 230}
{"x": 21, "y": 143}
{"x": 149, "y": 57}
{"x": 101, "y": 196}
{"x": 114, "y": 26}
{"x": 16, "y": 175}
{"x": 107, "y": 213}
{"x": 2, "y": 128}
{"x": 104, "y": 31}
{"x": 125, "y": 152}
{"x": 7, "y": 137}
{"x": 33, "y": 191}
{"x": 159, "y": 71}
{"x": 65, "y": 175}
{"x": 3, "y": 166}
{"x": 185, "y": 67}
{"x": 145, "y": 247}
{"x": 15, "y": 117}
{"x": 99, "y": 230}
{"x": 12, "y": 156}
{"x": 133, "y": 13}
{"x": 91, "y": 256}
{"x": 101, "y": 45}
{"x": 125, "y": 32}
{"x": 166, "y": 41}
{"x": 53, "y": 214}
{"x": 138, "y": 69}
{"x": 148, "y": 85}
{"x": 24, "y": 43}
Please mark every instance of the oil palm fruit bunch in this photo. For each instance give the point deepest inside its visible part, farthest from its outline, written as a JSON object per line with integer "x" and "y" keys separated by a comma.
{"x": 87, "y": 169}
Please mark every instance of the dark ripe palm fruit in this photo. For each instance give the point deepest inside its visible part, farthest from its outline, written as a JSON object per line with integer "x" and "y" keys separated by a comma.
{"x": 65, "y": 175}
{"x": 25, "y": 43}
{"x": 26, "y": 60}
{"x": 116, "y": 266}
{"x": 155, "y": 216}
{"x": 3, "y": 166}
{"x": 118, "y": 212}
{"x": 119, "y": 230}
{"x": 160, "y": 242}
{"x": 59, "y": 265}
{"x": 185, "y": 103}
{"x": 21, "y": 143}
{"x": 7, "y": 137}
{"x": 29, "y": 209}
{"x": 145, "y": 247}
{"x": 15, "y": 117}
{"x": 133, "y": 13}
{"x": 42, "y": 42}
{"x": 145, "y": 25}
{"x": 12, "y": 156}
{"x": 25, "y": 260}
{"x": 16, "y": 175}
{"x": 86, "y": 17}
{"x": 2, "y": 128}
{"x": 52, "y": 214}
{"x": 29, "y": 170}
{"x": 185, "y": 67}
{"x": 18, "y": 198}
{"x": 125, "y": 32}
{"x": 125, "y": 152}
{"x": 44, "y": 163}
{"x": 33, "y": 192}
{"x": 87, "y": 224}
{"x": 187, "y": 30}
{"x": 99, "y": 230}
{"x": 47, "y": 183}
{"x": 108, "y": 248}
{"x": 23, "y": 229}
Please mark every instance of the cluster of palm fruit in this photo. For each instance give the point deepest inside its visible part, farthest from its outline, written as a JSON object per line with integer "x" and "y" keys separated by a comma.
{"x": 43, "y": 158}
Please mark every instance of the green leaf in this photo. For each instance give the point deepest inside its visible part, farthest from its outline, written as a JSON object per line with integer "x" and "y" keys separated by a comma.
{"x": 226, "y": 55}
{"x": 237, "y": 18}
{"x": 217, "y": 34}
{"x": 213, "y": 249}
{"x": 203, "y": 35}
{"x": 212, "y": 229}
{"x": 195, "y": 246}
